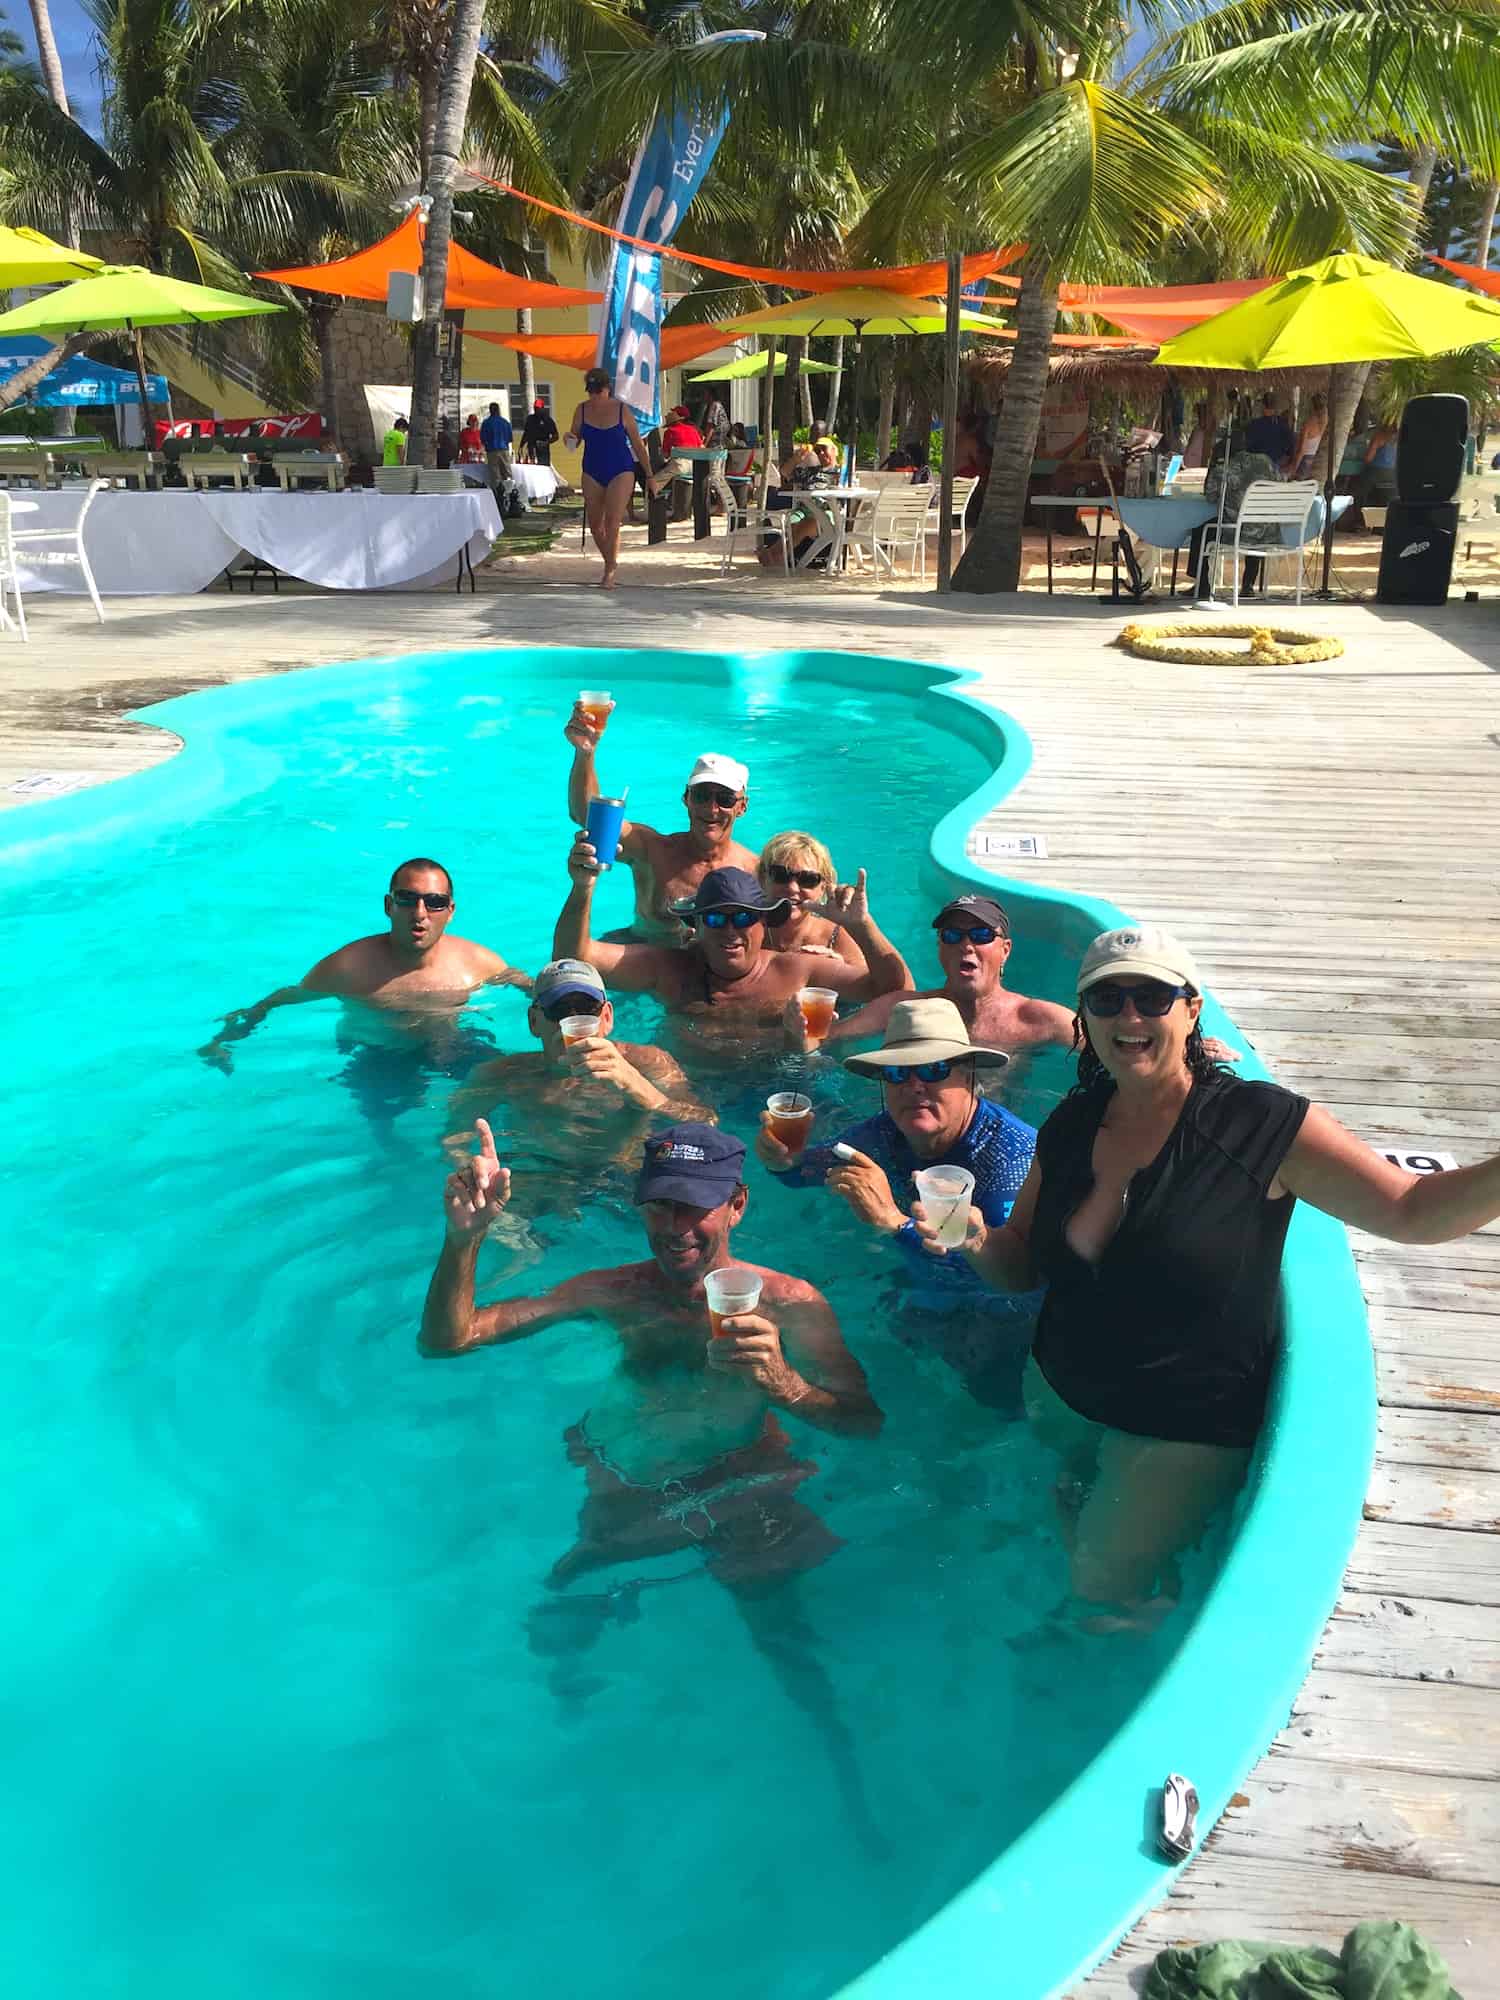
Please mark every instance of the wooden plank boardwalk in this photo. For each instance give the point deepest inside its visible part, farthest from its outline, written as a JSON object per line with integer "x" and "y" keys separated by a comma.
{"x": 1325, "y": 837}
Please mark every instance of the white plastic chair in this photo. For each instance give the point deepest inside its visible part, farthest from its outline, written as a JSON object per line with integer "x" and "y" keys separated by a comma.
{"x": 49, "y": 548}
{"x": 10, "y": 578}
{"x": 750, "y": 527}
{"x": 894, "y": 521}
{"x": 1270, "y": 503}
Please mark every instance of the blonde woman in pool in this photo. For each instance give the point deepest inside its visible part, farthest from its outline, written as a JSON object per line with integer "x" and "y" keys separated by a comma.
{"x": 798, "y": 868}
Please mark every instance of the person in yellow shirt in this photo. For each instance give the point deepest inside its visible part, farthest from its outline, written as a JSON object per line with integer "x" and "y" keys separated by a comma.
{"x": 393, "y": 444}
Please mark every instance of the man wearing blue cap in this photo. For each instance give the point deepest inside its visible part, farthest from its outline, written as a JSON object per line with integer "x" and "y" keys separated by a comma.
{"x": 727, "y": 965}
{"x": 586, "y": 1086}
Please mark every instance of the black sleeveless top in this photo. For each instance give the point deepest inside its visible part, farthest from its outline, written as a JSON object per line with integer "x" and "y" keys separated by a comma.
{"x": 1173, "y": 1332}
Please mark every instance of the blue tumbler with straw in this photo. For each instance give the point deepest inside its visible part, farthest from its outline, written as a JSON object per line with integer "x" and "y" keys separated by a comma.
{"x": 606, "y": 816}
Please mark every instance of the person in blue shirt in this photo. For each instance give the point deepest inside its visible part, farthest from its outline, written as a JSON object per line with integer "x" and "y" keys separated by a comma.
{"x": 496, "y": 435}
{"x": 933, "y": 1115}
{"x": 1269, "y": 433}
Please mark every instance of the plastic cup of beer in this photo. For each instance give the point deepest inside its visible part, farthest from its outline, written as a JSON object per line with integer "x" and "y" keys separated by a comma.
{"x": 578, "y": 1028}
{"x": 731, "y": 1290}
{"x": 817, "y": 1004}
{"x": 596, "y": 704}
{"x": 791, "y": 1118}
{"x": 946, "y": 1194}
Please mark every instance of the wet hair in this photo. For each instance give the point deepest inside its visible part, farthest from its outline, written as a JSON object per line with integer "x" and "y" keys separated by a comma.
{"x": 788, "y": 850}
{"x": 1093, "y": 1077}
{"x": 595, "y": 380}
{"x": 421, "y": 861}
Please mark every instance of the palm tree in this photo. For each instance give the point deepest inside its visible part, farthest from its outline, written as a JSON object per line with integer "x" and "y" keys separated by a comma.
{"x": 48, "y": 60}
{"x": 450, "y": 117}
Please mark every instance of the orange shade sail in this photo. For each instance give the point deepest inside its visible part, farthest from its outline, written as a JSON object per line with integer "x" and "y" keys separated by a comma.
{"x": 471, "y": 282}
{"x": 578, "y": 350}
{"x": 918, "y": 281}
{"x": 1472, "y": 274}
{"x": 1156, "y": 312}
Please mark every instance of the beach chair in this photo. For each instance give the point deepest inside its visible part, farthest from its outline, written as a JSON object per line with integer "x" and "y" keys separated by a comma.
{"x": 61, "y": 547}
{"x": 10, "y": 577}
{"x": 1291, "y": 507}
{"x": 893, "y": 522}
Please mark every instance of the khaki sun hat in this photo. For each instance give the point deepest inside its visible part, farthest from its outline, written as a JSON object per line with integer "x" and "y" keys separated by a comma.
{"x": 924, "y": 1031}
{"x": 1144, "y": 951}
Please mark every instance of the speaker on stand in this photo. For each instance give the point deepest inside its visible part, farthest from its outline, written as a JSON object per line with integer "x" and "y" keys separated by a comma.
{"x": 1421, "y": 524}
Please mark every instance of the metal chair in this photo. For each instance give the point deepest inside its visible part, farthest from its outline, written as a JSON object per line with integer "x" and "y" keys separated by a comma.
{"x": 10, "y": 576}
{"x": 49, "y": 548}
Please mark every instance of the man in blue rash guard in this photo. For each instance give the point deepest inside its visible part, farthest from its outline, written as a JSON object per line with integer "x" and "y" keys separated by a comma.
{"x": 933, "y": 1115}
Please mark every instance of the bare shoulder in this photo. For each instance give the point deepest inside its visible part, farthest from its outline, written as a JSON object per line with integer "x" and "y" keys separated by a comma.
{"x": 780, "y": 1288}
{"x": 1044, "y": 1020}
{"x": 477, "y": 958}
{"x": 356, "y": 967}
{"x": 603, "y": 1291}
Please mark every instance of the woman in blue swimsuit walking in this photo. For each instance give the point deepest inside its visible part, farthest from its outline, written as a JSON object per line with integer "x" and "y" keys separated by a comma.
{"x": 612, "y": 449}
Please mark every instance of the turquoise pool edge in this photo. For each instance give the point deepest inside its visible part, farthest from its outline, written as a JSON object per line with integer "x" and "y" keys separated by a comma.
{"x": 1060, "y": 1896}
{"x": 1230, "y": 1687}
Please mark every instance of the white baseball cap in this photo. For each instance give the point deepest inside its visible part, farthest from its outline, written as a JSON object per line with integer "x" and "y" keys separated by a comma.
{"x": 1143, "y": 949}
{"x": 713, "y": 769}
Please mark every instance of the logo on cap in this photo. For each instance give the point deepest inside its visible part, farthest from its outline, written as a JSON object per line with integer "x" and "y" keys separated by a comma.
{"x": 668, "y": 1149}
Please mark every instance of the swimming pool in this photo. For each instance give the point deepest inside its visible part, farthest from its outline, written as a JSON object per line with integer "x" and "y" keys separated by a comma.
{"x": 282, "y": 1578}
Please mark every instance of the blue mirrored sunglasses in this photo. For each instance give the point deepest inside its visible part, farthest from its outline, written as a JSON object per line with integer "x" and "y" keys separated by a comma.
{"x": 718, "y": 920}
{"x": 981, "y": 933}
{"x": 933, "y": 1072}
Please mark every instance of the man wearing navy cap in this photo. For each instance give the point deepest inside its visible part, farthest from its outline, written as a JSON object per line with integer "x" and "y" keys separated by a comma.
{"x": 686, "y": 1414}
{"x": 727, "y": 966}
{"x": 591, "y": 1092}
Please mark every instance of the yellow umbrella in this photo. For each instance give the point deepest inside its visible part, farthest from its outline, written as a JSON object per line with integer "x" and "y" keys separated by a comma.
{"x": 1341, "y": 309}
{"x": 859, "y": 310}
{"x": 29, "y": 258}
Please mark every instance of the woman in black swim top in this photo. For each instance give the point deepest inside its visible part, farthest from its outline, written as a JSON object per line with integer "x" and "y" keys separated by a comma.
{"x": 1155, "y": 1212}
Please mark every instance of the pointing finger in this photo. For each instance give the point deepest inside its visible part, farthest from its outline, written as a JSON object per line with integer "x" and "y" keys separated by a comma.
{"x": 486, "y": 1140}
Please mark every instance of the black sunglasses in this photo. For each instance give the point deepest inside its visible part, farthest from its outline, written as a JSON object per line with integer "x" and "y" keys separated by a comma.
{"x": 933, "y": 1072}
{"x": 981, "y": 933}
{"x": 563, "y": 1010}
{"x": 408, "y": 899}
{"x": 1152, "y": 999}
{"x": 712, "y": 795}
{"x": 805, "y": 878}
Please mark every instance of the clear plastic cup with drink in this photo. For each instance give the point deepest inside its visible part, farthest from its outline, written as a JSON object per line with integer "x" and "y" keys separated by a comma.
{"x": 946, "y": 1194}
{"x": 817, "y": 1004}
{"x": 606, "y": 816}
{"x": 596, "y": 704}
{"x": 731, "y": 1290}
{"x": 791, "y": 1118}
{"x": 578, "y": 1028}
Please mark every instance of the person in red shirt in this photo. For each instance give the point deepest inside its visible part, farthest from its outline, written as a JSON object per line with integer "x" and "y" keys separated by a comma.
{"x": 680, "y": 433}
{"x": 470, "y": 443}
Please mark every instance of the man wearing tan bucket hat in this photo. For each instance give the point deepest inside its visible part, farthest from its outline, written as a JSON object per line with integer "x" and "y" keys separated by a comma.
{"x": 933, "y": 1116}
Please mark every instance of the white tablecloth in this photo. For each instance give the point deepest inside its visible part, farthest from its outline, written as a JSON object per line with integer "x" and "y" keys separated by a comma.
{"x": 537, "y": 482}
{"x": 159, "y": 544}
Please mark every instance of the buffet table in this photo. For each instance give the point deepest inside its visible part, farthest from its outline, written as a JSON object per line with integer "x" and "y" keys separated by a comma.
{"x": 172, "y": 544}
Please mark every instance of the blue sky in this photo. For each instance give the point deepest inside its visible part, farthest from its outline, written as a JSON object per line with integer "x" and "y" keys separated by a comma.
{"x": 75, "y": 46}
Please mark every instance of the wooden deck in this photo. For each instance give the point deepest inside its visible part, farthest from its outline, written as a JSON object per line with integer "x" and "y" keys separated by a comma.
{"x": 1326, "y": 839}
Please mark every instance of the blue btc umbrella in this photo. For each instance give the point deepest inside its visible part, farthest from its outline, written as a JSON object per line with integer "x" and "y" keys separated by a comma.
{"x": 79, "y": 383}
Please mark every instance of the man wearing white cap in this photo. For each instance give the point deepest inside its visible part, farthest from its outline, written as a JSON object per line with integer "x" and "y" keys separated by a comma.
{"x": 667, "y": 866}
{"x": 580, "y": 1096}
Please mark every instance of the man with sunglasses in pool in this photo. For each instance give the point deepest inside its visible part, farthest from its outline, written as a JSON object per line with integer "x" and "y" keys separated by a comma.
{"x": 413, "y": 973}
{"x": 727, "y": 970}
{"x": 578, "y": 1100}
{"x": 973, "y": 944}
{"x": 667, "y": 867}
{"x": 932, "y": 1115}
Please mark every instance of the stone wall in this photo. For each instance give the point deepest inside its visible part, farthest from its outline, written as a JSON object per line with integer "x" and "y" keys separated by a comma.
{"x": 367, "y": 347}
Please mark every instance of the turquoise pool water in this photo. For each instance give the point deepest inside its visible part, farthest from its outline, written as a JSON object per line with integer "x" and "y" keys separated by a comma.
{"x": 281, "y": 1717}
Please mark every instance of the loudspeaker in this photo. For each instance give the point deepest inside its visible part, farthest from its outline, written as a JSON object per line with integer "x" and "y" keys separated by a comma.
{"x": 1416, "y": 551}
{"x": 1430, "y": 449}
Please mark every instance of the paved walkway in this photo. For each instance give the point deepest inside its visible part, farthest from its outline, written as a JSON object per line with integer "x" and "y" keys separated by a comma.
{"x": 1325, "y": 837}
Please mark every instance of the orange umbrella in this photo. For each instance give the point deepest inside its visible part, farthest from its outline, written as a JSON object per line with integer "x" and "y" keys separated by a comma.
{"x": 1472, "y": 274}
{"x": 578, "y": 350}
{"x": 471, "y": 282}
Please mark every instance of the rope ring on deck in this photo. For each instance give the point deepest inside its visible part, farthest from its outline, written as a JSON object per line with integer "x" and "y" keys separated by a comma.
{"x": 1187, "y": 645}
